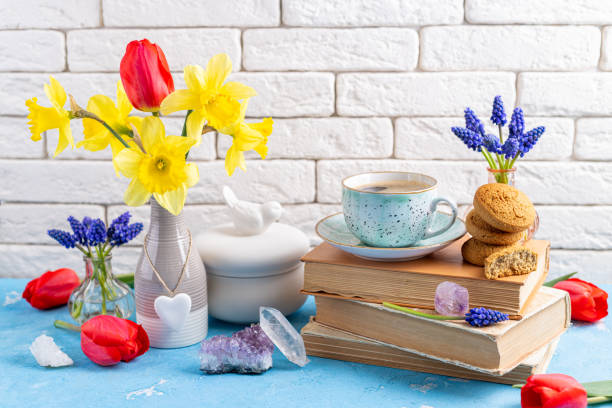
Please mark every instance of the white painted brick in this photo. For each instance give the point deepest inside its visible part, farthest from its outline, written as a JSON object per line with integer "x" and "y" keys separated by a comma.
{"x": 60, "y": 181}
{"x": 526, "y": 48}
{"x": 17, "y": 88}
{"x": 287, "y": 181}
{"x": 46, "y": 14}
{"x": 593, "y": 139}
{"x": 606, "y": 49}
{"x": 31, "y": 261}
{"x": 545, "y": 183}
{"x": 592, "y": 266}
{"x": 32, "y": 50}
{"x": 174, "y": 126}
{"x": 306, "y": 216}
{"x": 153, "y": 13}
{"x": 572, "y": 227}
{"x": 15, "y": 140}
{"x": 456, "y": 180}
{"x": 181, "y": 46}
{"x": 539, "y": 12}
{"x": 561, "y": 94}
{"x": 369, "y": 13}
{"x": 289, "y": 94}
{"x": 370, "y": 49}
{"x": 325, "y": 138}
{"x": 431, "y": 138}
{"x": 28, "y": 223}
{"x": 426, "y": 94}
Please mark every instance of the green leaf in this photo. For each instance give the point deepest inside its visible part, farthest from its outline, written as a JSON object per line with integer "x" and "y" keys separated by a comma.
{"x": 127, "y": 279}
{"x": 598, "y": 388}
{"x": 552, "y": 283}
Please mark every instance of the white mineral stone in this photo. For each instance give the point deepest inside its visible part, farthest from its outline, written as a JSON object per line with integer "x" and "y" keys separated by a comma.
{"x": 283, "y": 335}
{"x": 48, "y": 354}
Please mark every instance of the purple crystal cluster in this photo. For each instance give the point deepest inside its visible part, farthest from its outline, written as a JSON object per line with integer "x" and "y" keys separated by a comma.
{"x": 451, "y": 299}
{"x": 248, "y": 351}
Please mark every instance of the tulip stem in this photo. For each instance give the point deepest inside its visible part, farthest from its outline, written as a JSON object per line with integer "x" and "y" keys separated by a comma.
{"x": 60, "y": 324}
{"x": 598, "y": 400}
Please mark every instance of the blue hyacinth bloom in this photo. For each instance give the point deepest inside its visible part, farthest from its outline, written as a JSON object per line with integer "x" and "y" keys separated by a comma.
{"x": 530, "y": 138}
{"x": 492, "y": 144}
{"x": 64, "y": 238}
{"x": 125, "y": 233}
{"x": 510, "y": 148}
{"x": 79, "y": 230}
{"x": 473, "y": 123}
{"x": 472, "y": 139}
{"x": 96, "y": 234}
{"x": 498, "y": 115}
{"x": 480, "y": 316}
{"x": 517, "y": 124}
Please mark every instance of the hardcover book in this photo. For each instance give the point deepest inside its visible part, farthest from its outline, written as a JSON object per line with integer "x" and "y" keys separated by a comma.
{"x": 495, "y": 349}
{"x": 330, "y": 271}
{"x": 327, "y": 342}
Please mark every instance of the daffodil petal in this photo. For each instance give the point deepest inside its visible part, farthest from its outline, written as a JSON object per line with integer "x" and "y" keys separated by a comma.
{"x": 128, "y": 162}
{"x": 65, "y": 138}
{"x": 237, "y": 90}
{"x": 55, "y": 92}
{"x": 194, "y": 78}
{"x": 262, "y": 150}
{"x": 174, "y": 200}
{"x": 123, "y": 103}
{"x": 182, "y": 99}
{"x": 247, "y": 138}
{"x": 193, "y": 174}
{"x": 234, "y": 158}
{"x": 136, "y": 194}
{"x": 152, "y": 132}
{"x": 41, "y": 118}
{"x": 217, "y": 70}
{"x": 223, "y": 113}
{"x": 264, "y": 127}
{"x": 195, "y": 123}
{"x": 180, "y": 145}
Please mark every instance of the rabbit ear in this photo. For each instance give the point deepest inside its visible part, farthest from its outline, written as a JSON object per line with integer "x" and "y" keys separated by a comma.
{"x": 230, "y": 198}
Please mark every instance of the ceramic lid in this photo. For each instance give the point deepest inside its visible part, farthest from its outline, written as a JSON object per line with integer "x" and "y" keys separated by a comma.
{"x": 227, "y": 253}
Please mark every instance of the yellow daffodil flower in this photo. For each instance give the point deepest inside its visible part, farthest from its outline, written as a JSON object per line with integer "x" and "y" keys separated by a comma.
{"x": 55, "y": 117}
{"x": 210, "y": 99}
{"x": 97, "y": 136}
{"x": 246, "y": 136}
{"x": 159, "y": 168}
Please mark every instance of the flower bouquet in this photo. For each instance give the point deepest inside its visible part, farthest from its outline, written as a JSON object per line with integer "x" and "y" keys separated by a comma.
{"x": 499, "y": 154}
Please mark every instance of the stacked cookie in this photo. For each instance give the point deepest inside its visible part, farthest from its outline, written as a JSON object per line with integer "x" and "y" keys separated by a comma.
{"x": 498, "y": 223}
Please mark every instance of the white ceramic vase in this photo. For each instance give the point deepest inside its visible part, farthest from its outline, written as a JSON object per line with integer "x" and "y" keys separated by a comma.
{"x": 167, "y": 245}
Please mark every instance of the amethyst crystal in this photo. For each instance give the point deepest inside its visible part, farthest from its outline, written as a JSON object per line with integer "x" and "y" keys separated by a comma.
{"x": 248, "y": 351}
{"x": 451, "y": 299}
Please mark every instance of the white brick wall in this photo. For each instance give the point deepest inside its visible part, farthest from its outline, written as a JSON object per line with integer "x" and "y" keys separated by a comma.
{"x": 353, "y": 85}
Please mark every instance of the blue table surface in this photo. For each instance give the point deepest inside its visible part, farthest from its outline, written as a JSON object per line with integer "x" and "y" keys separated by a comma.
{"x": 171, "y": 378}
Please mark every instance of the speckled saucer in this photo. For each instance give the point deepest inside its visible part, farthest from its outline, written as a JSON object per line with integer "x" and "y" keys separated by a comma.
{"x": 333, "y": 229}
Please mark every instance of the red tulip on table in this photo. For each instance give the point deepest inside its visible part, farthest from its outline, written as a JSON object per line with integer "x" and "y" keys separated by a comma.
{"x": 145, "y": 75}
{"x": 107, "y": 340}
{"x": 589, "y": 303}
{"x": 553, "y": 391}
{"x": 51, "y": 289}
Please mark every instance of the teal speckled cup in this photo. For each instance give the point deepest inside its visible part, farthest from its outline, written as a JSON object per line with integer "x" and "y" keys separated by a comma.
{"x": 392, "y": 220}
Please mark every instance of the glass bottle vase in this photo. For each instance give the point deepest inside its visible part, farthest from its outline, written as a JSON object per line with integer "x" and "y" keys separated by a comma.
{"x": 508, "y": 176}
{"x": 100, "y": 293}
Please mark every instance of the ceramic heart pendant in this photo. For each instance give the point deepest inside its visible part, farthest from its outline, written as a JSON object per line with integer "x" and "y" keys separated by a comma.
{"x": 173, "y": 310}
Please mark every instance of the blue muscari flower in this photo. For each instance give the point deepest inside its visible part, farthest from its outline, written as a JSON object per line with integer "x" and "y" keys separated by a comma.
{"x": 530, "y": 138}
{"x": 517, "y": 124}
{"x": 510, "y": 147}
{"x": 118, "y": 223}
{"x": 80, "y": 232}
{"x": 498, "y": 115}
{"x": 96, "y": 233}
{"x": 472, "y": 139}
{"x": 473, "y": 123}
{"x": 64, "y": 238}
{"x": 480, "y": 316}
{"x": 125, "y": 233}
{"x": 492, "y": 144}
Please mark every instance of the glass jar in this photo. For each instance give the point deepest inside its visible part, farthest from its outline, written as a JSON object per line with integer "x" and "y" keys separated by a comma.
{"x": 508, "y": 176}
{"x": 100, "y": 293}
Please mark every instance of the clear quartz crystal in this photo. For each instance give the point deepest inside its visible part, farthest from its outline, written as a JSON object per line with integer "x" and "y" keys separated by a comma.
{"x": 283, "y": 335}
{"x": 48, "y": 354}
{"x": 451, "y": 299}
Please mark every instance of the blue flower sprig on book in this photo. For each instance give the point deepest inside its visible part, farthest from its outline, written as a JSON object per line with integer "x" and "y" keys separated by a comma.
{"x": 477, "y": 316}
{"x": 498, "y": 153}
{"x": 92, "y": 237}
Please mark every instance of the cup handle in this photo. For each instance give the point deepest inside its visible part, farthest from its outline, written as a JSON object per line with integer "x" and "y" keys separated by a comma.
{"x": 433, "y": 207}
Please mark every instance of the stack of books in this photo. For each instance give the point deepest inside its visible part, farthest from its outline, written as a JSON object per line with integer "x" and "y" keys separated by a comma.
{"x": 352, "y": 325}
